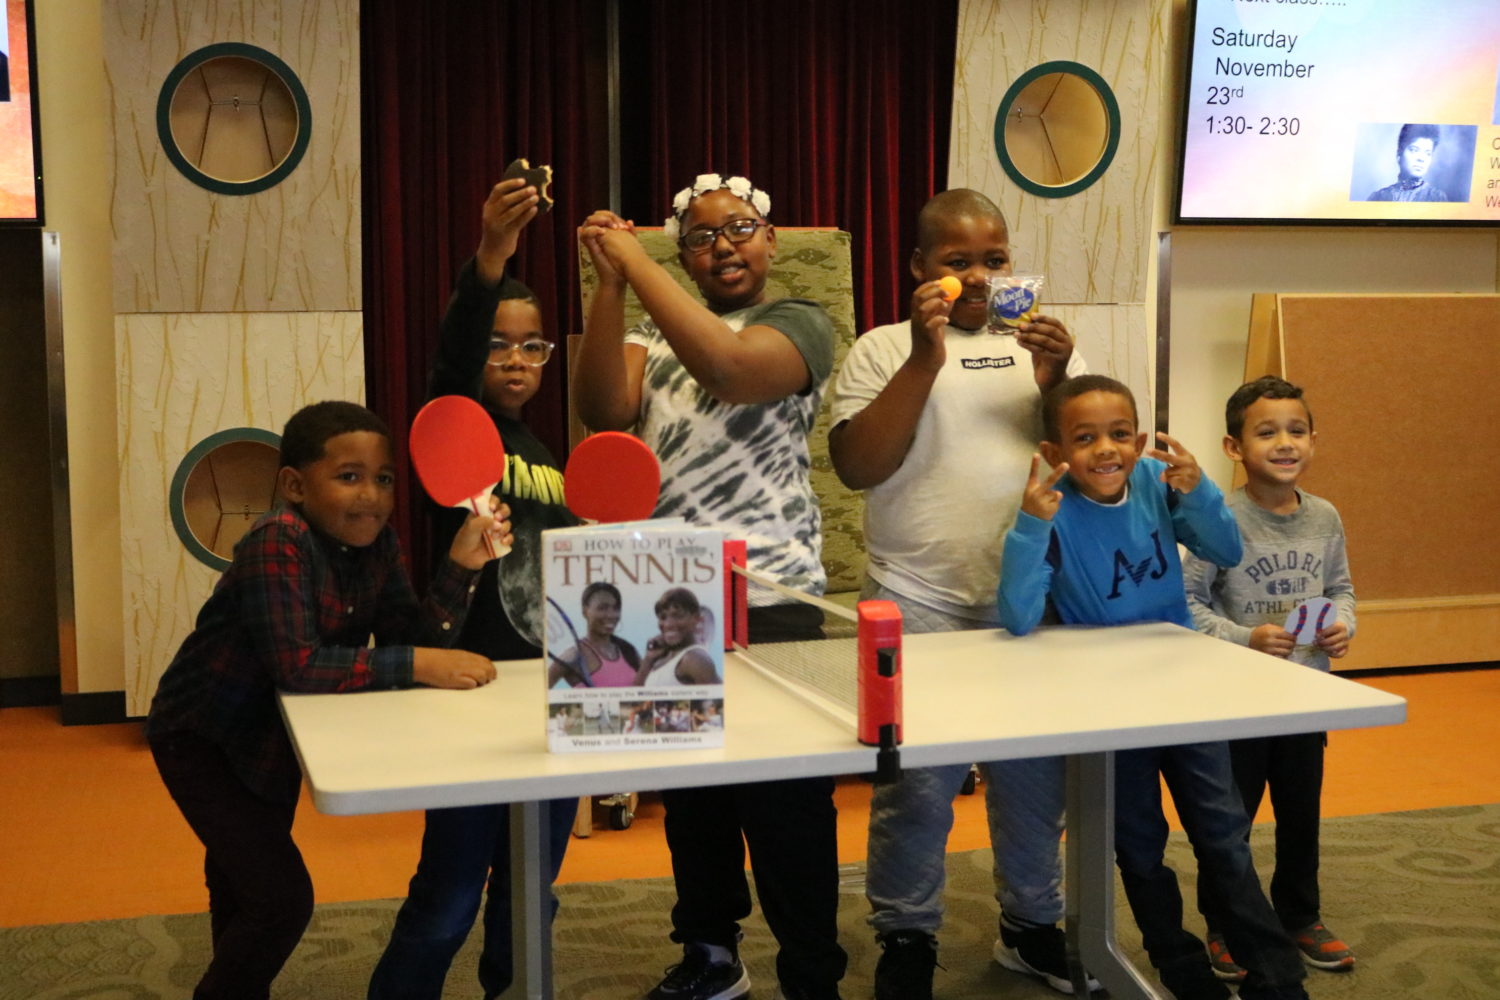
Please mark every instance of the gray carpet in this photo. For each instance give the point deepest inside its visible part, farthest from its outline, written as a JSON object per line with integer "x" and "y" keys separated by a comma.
{"x": 1416, "y": 894}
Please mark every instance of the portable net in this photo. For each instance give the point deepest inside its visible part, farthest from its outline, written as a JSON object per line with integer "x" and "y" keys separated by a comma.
{"x": 824, "y": 671}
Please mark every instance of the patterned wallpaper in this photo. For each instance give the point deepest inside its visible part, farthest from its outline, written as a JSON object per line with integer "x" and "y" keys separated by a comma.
{"x": 180, "y": 248}
{"x": 181, "y": 378}
{"x": 232, "y": 310}
{"x": 1094, "y": 247}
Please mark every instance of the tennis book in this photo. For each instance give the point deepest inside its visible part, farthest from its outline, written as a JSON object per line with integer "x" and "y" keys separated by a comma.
{"x": 635, "y": 636}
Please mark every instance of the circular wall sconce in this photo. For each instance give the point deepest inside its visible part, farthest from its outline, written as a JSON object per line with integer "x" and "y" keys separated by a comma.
{"x": 1057, "y": 129}
{"x": 220, "y": 488}
{"x": 233, "y": 118}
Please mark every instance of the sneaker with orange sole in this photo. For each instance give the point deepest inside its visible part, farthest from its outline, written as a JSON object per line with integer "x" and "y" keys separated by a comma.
{"x": 1218, "y": 959}
{"x": 1322, "y": 950}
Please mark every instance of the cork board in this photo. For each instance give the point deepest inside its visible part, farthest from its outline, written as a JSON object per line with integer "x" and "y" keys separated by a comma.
{"x": 1403, "y": 395}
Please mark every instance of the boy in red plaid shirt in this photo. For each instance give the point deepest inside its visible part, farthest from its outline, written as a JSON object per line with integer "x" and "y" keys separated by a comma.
{"x": 309, "y": 584}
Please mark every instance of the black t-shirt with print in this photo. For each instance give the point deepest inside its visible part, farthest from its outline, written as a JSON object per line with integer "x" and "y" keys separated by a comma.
{"x": 504, "y": 622}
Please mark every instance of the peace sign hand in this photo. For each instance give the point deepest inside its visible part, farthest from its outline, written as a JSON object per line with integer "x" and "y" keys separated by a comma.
{"x": 1182, "y": 472}
{"x": 1041, "y": 500}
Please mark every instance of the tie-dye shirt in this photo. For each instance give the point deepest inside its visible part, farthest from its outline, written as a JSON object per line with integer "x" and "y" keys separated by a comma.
{"x": 742, "y": 466}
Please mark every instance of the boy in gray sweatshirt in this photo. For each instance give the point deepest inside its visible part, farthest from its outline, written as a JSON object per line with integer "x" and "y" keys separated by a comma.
{"x": 1294, "y": 551}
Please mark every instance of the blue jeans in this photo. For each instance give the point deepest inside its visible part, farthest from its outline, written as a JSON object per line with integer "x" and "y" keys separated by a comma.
{"x": 910, "y": 820}
{"x": 462, "y": 848}
{"x": 1202, "y": 786}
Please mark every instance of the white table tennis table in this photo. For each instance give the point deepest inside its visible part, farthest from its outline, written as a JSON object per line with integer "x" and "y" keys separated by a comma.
{"x": 969, "y": 696}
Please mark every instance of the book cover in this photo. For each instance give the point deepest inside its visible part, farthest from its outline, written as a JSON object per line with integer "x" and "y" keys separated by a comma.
{"x": 634, "y": 642}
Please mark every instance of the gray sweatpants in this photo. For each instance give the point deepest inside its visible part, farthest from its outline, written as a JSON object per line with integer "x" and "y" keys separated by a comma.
{"x": 910, "y": 820}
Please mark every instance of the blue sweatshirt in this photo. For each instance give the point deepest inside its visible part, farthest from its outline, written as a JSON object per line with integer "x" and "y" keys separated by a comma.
{"x": 1116, "y": 564}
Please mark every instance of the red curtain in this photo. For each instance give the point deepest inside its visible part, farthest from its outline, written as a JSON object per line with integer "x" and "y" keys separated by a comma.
{"x": 452, "y": 93}
{"x": 841, "y": 111}
{"x": 839, "y": 108}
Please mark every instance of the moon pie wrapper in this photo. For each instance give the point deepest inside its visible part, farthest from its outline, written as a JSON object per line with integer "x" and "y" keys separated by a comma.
{"x": 1014, "y": 300}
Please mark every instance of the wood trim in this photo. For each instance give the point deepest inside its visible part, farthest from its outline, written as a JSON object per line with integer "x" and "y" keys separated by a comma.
{"x": 1400, "y": 604}
{"x": 1423, "y": 632}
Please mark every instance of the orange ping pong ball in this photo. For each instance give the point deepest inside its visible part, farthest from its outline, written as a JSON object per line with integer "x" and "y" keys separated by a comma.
{"x": 950, "y": 286}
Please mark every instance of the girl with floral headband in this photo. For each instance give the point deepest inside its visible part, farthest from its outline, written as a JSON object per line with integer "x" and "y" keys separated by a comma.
{"x": 725, "y": 390}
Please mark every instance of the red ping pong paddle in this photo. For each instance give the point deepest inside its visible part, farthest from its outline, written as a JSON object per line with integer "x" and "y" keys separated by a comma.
{"x": 611, "y": 477}
{"x": 459, "y": 457}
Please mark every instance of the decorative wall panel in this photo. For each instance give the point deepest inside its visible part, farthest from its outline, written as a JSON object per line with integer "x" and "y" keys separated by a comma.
{"x": 183, "y": 378}
{"x": 181, "y": 248}
{"x": 1092, "y": 246}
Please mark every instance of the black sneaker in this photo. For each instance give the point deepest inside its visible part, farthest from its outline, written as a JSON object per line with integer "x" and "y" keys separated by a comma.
{"x": 1039, "y": 950}
{"x": 699, "y": 977}
{"x": 1192, "y": 979}
{"x": 904, "y": 971}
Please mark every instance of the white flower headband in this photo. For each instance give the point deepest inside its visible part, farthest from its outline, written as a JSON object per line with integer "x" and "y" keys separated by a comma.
{"x": 740, "y": 187}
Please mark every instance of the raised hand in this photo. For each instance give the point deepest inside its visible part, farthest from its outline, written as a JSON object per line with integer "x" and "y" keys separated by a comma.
{"x": 1182, "y": 472}
{"x": 1051, "y": 346}
{"x": 510, "y": 206}
{"x": 601, "y": 235}
{"x": 929, "y": 318}
{"x": 605, "y": 219}
{"x": 469, "y": 549}
{"x": 1041, "y": 499}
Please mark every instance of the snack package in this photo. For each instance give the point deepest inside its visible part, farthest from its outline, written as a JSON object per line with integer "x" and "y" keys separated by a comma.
{"x": 1013, "y": 300}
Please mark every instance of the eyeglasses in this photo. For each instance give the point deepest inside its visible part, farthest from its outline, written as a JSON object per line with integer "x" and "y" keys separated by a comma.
{"x": 735, "y": 231}
{"x": 533, "y": 352}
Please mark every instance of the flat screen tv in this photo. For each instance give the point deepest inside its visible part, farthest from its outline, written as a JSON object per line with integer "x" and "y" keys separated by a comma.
{"x": 1356, "y": 112}
{"x": 20, "y": 147}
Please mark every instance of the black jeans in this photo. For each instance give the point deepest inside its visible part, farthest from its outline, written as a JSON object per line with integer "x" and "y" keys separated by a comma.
{"x": 1292, "y": 767}
{"x": 260, "y": 897}
{"x": 791, "y": 830}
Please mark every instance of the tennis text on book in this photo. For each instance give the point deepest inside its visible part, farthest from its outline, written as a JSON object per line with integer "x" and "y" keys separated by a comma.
{"x": 637, "y": 564}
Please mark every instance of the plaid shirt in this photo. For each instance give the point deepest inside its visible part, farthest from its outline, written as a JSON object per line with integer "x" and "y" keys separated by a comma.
{"x": 295, "y": 611}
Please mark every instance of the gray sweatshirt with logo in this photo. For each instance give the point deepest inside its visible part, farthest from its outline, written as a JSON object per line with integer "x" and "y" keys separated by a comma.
{"x": 1288, "y": 559}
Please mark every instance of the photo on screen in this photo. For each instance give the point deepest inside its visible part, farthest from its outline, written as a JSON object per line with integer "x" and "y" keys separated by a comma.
{"x": 1412, "y": 162}
{"x": 1495, "y": 116}
{"x": 20, "y": 152}
{"x": 4, "y": 58}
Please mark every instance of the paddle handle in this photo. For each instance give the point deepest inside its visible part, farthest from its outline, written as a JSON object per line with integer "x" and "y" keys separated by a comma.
{"x": 479, "y": 503}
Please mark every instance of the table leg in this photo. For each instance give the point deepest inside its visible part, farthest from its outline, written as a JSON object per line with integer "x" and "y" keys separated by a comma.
{"x": 531, "y": 936}
{"x": 1091, "y": 882}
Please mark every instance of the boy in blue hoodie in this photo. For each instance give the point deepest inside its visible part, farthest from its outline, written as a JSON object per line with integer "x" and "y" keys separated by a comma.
{"x": 1099, "y": 537}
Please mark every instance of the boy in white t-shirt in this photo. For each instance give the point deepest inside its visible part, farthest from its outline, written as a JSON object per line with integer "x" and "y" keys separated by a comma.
{"x": 936, "y": 419}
